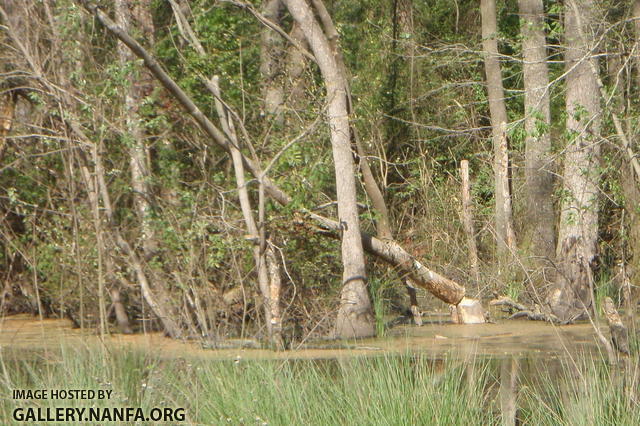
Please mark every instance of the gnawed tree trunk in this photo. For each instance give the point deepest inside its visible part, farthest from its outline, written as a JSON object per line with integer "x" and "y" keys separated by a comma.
{"x": 578, "y": 228}
{"x": 539, "y": 216}
{"x": 355, "y": 316}
{"x": 138, "y": 86}
{"x": 443, "y": 288}
{"x": 505, "y": 236}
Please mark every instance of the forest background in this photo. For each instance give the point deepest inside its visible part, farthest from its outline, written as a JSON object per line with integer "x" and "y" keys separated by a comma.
{"x": 128, "y": 202}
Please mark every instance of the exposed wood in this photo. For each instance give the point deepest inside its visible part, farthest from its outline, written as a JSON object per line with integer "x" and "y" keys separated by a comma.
{"x": 468, "y": 311}
{"x": 467, "y": 220}
{"x": 121, "y": 313}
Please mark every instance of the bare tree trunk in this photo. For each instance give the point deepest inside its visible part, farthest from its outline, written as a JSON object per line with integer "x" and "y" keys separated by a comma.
{"x": 383, "y": 223}
{"x": 355, "y": 316}
{"x": 126, "y": 12}
{"x": 266, "y": 264}
{"x": 295, "y": 66}
{"x": 506, "y": 241}
{"x": 539, "y": 216}
{"x": 467, "y": 220}
{"x": 578, "y": 229}
{"x": 271, "y": 66}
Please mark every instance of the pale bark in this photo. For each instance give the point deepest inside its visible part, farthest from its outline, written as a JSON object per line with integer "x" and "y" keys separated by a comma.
{"x": 539, "y": 216}
{"x": 446, "y": 290}
{"x": 267, "y": 267}
{"x": 383, "y": 222}
{"x": 467, "y": 220}
{"x": 505, "y": 236}
{"x": 126, "y": 12}
{"x": 271, "y": 66}
{"x": 355, "y": 316}
{"x": 578, "y": 229}
{"x": 296, "y": 63}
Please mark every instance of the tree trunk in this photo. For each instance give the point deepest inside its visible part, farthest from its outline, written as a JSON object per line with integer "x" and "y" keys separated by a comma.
{"x": 506, "y": 241}
{"x": 126, "y": 12}
{"x": 271, "y": 66}
{"x": 295, "y": 66}
{"x": 355, "y": 316}
{"x": 267, "y": 269}
{"x": 631, "y": 186}
{"x": 539, "y": 216}
{"x": 578, "y": 229}
{"x": 467, "y": 221}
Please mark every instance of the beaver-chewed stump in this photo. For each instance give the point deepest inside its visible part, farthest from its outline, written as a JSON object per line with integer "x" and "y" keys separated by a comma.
{"x": 468, "y": 311}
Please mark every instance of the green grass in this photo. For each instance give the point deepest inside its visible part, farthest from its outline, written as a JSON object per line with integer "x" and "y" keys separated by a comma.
{"x": 382, "y": 390}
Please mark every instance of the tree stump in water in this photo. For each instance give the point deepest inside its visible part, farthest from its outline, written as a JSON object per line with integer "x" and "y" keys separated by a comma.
{"x": 468, "y": 311}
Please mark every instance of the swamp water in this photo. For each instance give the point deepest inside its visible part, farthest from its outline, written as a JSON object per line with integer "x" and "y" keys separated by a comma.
{"x": 512, "y": 372}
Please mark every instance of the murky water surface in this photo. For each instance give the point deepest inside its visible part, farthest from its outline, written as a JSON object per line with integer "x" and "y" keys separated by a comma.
{"x": 502, "y": 340}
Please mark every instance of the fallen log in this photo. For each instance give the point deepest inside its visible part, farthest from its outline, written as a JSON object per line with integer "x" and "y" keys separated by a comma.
{"x": 521, "y": 311}
{"x": 441, "y": 287}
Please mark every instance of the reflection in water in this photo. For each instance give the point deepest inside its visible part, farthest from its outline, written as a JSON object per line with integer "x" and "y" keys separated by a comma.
{"x": 511, "y": 372}
{"x": 508, "y": 390}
